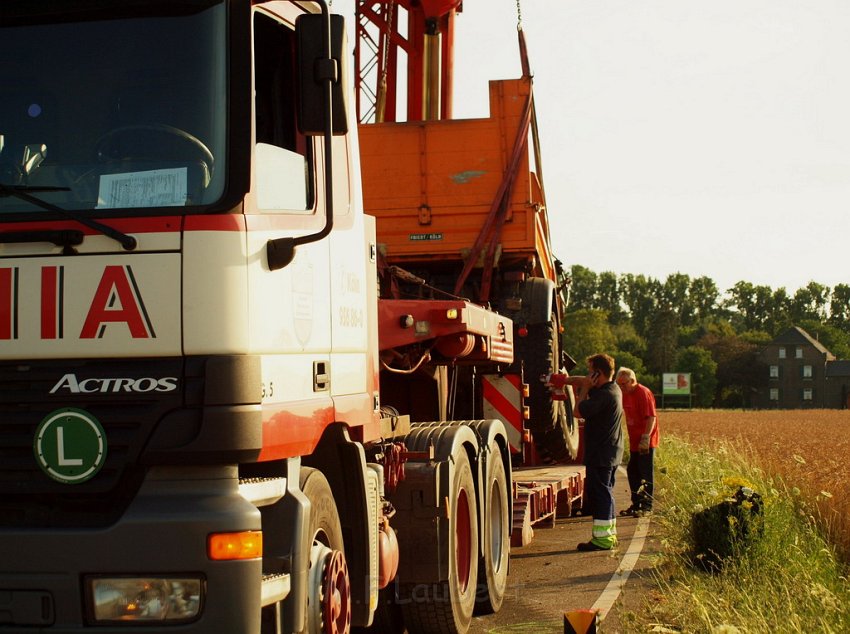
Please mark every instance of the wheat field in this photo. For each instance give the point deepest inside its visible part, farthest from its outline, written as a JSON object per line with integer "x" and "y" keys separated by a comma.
{"x": 808, "y": 449}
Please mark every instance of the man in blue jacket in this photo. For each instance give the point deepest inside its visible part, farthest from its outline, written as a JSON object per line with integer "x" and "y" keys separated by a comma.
{"x": 599, "y": 402}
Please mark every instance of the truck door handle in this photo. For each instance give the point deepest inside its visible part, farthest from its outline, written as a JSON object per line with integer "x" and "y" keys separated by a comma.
{"x": 321, "y": 376}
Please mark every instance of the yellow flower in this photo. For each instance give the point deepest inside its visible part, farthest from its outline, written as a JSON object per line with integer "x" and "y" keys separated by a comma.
{"x": 736, "y": 482}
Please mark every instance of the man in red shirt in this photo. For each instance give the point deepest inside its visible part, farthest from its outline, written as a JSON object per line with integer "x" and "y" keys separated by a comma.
{"x": 642, "y": 423}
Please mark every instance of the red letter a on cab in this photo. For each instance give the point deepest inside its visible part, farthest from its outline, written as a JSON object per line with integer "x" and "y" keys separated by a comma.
{"x": 117, "y": 283}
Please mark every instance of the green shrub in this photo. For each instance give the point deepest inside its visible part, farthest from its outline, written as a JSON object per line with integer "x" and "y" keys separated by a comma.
{"x": 727, "y": 528}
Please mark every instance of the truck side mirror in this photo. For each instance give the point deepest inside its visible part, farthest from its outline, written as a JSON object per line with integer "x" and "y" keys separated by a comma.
{"x": 314, "y": 69}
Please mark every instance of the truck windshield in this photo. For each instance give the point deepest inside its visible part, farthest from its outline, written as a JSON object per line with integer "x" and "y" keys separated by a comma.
{"x": 110, "y": 108}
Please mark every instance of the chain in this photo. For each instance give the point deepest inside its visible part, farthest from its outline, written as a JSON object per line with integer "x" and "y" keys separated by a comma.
{"x": 518, "y": 16}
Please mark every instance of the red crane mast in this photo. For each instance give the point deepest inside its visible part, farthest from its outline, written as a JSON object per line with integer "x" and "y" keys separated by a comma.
{"x": 390, "y": 31}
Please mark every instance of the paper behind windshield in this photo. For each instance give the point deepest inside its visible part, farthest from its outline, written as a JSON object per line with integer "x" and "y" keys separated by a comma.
{"x": 153, "y": 188}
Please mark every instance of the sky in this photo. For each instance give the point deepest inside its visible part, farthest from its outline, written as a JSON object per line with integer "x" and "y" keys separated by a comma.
{"x": 707, "y": 137}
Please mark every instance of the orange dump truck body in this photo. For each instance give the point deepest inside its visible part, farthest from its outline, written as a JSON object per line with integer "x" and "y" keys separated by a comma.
{"x": 431, "y": 185}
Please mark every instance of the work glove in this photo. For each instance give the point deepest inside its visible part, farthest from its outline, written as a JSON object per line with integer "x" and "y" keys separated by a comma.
{"x": 643, "y": 447}
{"x": 557, "y": 385}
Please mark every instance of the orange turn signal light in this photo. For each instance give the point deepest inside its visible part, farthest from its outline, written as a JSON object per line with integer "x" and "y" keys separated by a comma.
{"x": 226, "y": 546}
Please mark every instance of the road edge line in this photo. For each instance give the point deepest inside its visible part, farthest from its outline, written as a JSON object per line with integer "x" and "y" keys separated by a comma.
{"x": 609, "y": 595}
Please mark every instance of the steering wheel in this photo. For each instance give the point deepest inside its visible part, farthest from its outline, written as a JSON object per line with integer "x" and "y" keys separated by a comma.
{"x": 139, "y": 141}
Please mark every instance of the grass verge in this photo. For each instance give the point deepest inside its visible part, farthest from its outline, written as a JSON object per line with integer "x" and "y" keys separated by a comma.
{"x": 790, "y": 580}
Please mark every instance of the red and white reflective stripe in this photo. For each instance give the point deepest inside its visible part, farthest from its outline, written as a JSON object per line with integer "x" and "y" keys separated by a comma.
{"x": 503, "y": 400}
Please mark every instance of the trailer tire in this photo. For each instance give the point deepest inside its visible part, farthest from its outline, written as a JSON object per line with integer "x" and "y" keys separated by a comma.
{"x": 446, "y": 607}
{"x": 552, "y": 426}
{"x": 329, "y": 592}
{"x": 561, "y": 444}
{"x": 570, "y": 427}
{"x": 496, "y": 529}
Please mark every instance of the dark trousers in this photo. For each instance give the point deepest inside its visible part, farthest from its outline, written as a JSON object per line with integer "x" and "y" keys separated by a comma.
{"x": 640, "y": 471}
{"x": 599, "y": 489}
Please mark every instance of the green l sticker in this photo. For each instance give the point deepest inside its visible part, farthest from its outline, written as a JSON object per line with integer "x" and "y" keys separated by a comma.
{"x": 70, "y": 445}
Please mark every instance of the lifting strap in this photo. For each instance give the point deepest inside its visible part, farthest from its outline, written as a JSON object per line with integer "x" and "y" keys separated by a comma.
{"x": 523, "y": 49}
{"x": 492, "y": 230}
{"x": 535, "y": 136}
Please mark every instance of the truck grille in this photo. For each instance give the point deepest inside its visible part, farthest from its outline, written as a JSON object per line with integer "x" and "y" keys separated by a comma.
{"x": 28, "y": 497}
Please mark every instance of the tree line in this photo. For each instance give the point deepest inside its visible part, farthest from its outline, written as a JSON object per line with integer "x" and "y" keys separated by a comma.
{"x": 685, "y": 324}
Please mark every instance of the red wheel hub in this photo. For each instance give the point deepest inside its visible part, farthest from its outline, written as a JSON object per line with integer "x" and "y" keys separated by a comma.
{"x": 463, "y": 539}
{"x": 336, "y": 595}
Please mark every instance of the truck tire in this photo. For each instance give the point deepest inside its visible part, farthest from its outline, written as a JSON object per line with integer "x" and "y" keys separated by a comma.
{"x": 329, "y": 592}
{"x": 496, "y": 529}
{"x": 446, "y": 607}
{"x": 552, "y": 426}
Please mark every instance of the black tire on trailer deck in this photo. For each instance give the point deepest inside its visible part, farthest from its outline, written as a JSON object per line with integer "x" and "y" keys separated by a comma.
{"x": 493, "y": 564}
{"x": 552, "y": 426}
{"x": 561, "y": 444}
{"x": 332, "y": 612}
{"x": 446, "y": 607}
{"x": 571, "y": 424}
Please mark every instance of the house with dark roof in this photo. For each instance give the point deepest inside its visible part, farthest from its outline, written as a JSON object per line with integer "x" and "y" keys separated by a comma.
{"x": 802, "y": 373}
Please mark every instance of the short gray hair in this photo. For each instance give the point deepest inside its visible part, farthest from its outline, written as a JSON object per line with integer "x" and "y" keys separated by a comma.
{"x": 628, "y": 372}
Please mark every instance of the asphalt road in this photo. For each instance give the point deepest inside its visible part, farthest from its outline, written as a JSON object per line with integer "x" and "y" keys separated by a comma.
{"x": 549, "y": 577}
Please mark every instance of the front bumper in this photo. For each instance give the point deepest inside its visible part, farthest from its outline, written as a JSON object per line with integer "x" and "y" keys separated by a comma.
{"x": 162, "y": 533}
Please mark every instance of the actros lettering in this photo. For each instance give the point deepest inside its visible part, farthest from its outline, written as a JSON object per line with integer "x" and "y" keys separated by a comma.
{"x": 73, "y": 385}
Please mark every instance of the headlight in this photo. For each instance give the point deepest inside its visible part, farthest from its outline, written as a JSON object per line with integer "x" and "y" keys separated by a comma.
{"x": 145, "y": 599}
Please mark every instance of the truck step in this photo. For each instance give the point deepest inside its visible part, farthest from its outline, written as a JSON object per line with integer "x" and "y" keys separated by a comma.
{"x": 262, "y": 491}
{"x": 275, "y": 588}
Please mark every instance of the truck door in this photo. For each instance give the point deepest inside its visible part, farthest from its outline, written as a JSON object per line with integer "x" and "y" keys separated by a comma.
{"x": 289, "y": 308}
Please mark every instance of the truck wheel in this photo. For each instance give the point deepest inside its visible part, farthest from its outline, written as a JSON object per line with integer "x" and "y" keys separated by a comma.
{"x": 446, "y": 607}
{"x": 329, "y": 590}
{"x": 552, "y": 426}
{"x": 493, "y": 564}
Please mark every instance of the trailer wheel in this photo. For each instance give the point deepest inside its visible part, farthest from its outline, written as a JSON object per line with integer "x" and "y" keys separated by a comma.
{"x": 446, "y": 607}
{"x": 552, "y": 426}
{"x": 493, "y": 564}
{"x": 561, "y": 443}
{"x": 329, "y": 590}
{"x": 570, "y": 424}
